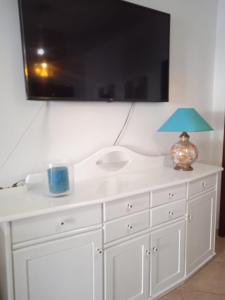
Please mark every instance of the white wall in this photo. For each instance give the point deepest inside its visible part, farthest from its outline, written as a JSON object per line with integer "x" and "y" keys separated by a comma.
{"x": 32, "y": 132}
{"x": 219, "y": 86}
{"x": 219, "y": 93}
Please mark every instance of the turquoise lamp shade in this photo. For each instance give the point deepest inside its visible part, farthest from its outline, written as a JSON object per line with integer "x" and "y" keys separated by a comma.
{"x": 185, "y": 119}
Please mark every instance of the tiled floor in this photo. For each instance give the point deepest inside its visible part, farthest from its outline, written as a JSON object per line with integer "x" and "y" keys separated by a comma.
{"x": 206, "y": 284}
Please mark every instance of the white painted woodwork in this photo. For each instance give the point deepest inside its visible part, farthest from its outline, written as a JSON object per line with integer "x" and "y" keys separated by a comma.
{"x": 128, "y": 200}
{"x": 37, "y": 227}
{"x": 127, "y": 270}
{"x": 69, "y": 268}
{"x": 127, "y": 206}
{"x": 200, "y": 230}
{"x": 127, "y": 226}
{"x": 202, "y": 185}
{"x": 114, "y": 160}
{"x": 6, "y": 268}
{"x": 168, "y": 212}
{"x": 170, "y": 194}
{"x": 168, "y": 257}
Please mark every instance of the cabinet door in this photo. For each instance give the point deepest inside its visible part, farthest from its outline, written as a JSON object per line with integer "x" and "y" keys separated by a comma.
{"x": 168, "y": 257}
{"x": 69, "y": 268}
{"x": 127, "y": 270}
{"x": 200, "y": 231}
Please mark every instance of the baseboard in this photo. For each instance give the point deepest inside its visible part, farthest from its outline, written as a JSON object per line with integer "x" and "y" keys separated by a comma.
{"x": 168, "y": 290}
{"x": 198, "y": 268}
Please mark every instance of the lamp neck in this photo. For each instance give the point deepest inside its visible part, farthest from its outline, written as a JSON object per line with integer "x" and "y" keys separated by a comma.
{"x": 184, "y": 136}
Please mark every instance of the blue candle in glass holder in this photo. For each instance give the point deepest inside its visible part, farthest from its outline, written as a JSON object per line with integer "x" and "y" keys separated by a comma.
{"x": 58, "y": 180}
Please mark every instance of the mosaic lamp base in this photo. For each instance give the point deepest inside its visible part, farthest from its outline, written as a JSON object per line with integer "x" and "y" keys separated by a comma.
{"x": 184, "y": 153}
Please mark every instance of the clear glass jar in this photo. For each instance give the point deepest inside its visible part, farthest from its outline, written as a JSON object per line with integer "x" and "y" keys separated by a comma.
{"x": 59, "y": 179}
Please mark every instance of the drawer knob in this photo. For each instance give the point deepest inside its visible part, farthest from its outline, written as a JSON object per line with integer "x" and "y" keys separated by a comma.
{"x": 171, "y": 195}
{"x": 171, "y": 213}
{"x": 148, "y": 252}
{"x": 99, "y": 250}
{"x": 155, "y": 249}
{"x": 130, "y": 206}
{"x": 204, "y": 184}
{"x": 67, "y": 221}
{"x": 190, "y": 218}
{"x": 130, "y": 227}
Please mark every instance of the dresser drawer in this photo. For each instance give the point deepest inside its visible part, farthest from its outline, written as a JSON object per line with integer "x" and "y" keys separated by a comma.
{"x": 126, "y": 226}
{"x": 126, "y": 206}
{"x": 170, "y": 194}
{"x": 37, "y": 227}
{"x": 167, "y": 212}
{"x": 201, "y": 185}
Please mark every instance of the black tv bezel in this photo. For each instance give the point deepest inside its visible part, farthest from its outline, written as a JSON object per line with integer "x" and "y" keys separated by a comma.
{"x": 72, "y": 99}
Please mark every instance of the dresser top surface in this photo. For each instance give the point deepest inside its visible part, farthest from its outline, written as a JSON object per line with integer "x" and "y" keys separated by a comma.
{"x": 18, "y": 203}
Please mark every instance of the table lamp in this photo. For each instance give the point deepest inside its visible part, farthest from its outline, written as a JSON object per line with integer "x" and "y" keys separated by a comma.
{"x": 184, "y": 120}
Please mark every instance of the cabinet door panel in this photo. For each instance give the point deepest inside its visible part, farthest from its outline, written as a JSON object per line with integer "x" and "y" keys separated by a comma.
{"x": 200, "y": 231}
{"x": 167, "y": 257}
{"x": 69, "y": 268}
{"x": 127, "y": 270}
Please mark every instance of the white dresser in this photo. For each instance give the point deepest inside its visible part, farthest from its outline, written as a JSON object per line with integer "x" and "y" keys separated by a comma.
{"x": 132, "y": 229}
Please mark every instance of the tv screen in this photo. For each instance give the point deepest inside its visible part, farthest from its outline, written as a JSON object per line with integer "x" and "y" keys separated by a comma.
{"x": 94, "y": 50}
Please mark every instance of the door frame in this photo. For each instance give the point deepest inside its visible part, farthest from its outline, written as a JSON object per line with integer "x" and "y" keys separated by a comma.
{"x": 222, "y": 195}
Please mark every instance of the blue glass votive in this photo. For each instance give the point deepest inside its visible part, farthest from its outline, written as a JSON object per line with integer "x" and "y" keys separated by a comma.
{"x": 58, "y": 180}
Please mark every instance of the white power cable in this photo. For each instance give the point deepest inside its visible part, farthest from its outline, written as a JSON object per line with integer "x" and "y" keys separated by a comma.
{"x": 126, "y": 122}
{"x": 22, "y": 136}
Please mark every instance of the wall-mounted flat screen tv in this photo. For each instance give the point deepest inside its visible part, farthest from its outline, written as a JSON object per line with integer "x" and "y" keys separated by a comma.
{"x": 94, "y": 50}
